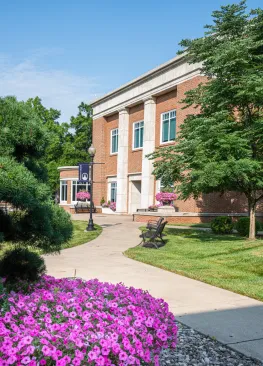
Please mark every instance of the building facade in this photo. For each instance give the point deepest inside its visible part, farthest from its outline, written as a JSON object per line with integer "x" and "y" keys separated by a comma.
{"x": 128, "y": 124}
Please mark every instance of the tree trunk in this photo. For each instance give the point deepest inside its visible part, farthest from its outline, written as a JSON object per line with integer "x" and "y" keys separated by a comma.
{"x": 252, "y": 216}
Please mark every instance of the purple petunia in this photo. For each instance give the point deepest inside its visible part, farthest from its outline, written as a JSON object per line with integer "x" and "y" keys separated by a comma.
{"x": 75, "y": 322}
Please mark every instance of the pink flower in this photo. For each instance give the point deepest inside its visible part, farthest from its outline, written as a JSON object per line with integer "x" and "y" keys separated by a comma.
{"x": 123, "y": 356}
{"x": 83, "y": 195}
{"x": 92, "y": 355}
{"x": 77, "y": 322}
{"x": 46, "y": 351}
{"x": 25, "y": 360}
{"x": 163, "y": 197}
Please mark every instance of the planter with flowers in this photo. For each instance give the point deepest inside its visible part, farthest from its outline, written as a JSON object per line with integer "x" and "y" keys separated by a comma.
{"x": 109, "y": 208}
{"x": 83, "y": 196}
{"x": 166, "y": 202}
{"x": 153, "y": 208}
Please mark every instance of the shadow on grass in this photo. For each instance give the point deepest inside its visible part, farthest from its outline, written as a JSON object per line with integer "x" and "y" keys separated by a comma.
{"x": 223, "y": 242}
{"x": 203, "y": 236}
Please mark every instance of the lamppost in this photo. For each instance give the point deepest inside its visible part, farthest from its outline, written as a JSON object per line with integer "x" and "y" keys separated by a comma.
{"x": 92, "y": 152}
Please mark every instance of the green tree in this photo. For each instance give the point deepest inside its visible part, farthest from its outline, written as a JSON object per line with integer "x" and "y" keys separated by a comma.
{"x": 68, "y": 142}
{"x": 35, "y": 221}
{"x": 82, "y": 126}
{"x": 221, "y": 148}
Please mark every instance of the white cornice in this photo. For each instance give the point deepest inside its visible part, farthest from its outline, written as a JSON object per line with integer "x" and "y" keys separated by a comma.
{"x": 138, "y": 79}
{"x": 158, "y": 81}
{"x": 67, "y": 167}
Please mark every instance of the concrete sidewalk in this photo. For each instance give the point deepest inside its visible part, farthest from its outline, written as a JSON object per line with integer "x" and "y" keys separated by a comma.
{"x": 231, "y": 318}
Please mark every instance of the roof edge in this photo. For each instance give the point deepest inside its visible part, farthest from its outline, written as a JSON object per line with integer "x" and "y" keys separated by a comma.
{"x": 138, "y": 79}
{"x": 67, "y": 167}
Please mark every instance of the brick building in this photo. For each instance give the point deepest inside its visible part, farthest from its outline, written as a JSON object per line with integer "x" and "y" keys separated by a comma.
{"x": 129, "y": 123}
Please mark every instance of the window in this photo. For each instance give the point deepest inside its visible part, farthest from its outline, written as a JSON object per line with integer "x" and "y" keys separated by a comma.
{"x": 166, "y": 188}
{"x": 113, "y": 191}
{"x": 76, "y": 187}
{"x": 114, "y": 141}
{"x": 63, "y": 190}
{"x": 138, "y": 128}
{"x": 168, "y": 121}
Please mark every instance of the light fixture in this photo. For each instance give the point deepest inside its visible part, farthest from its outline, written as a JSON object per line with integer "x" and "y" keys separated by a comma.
{"x": 92, "y": 150}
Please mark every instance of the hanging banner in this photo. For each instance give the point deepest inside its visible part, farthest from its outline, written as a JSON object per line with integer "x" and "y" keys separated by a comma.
{"x": 84, "y": 173}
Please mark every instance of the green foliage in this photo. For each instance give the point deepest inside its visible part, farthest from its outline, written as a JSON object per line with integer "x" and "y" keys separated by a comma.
{"x": 82, "y": 125}
{"x": 102, "y": 201}
{"x": 35, "y": 221}
{"x": 242, "y": 226}
{"x": 21, "y": 264}
{"x": 68, "y": 143}
{"x": 221, "y": 148}
{"x": 222, "y": 225}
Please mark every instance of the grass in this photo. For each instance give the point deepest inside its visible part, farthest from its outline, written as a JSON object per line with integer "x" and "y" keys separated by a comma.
{"x": 225, "y": 261}
{"x": 79, "y": 237}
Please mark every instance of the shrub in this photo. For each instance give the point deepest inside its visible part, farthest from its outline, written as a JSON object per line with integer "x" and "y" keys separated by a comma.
{"x": 242, "y": 226}
{"x": 222, "y": 225}
{"x": 21, "y": 264}
{"x": 102, "y": 201}
{"x": 76, "y": 322}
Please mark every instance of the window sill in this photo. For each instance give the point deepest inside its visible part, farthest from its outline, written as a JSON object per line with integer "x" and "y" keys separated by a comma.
{"x": 112, "y": 154}
{"x": 137, "y": 149}
{"x": 172, "y": 142}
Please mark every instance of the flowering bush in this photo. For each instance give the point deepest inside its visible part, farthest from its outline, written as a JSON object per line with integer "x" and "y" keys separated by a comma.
{"x": 113, "y": 206}
{"x": 83, "y": 195}
{"x": 165, "y": 198}
{"x": 75, "y": 322}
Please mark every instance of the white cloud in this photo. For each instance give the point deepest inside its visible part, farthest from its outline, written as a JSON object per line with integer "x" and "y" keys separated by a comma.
{"x": 57, "y": 89}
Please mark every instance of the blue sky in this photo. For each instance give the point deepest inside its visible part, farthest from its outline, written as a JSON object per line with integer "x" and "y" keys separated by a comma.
{"x": 66, "y": 51}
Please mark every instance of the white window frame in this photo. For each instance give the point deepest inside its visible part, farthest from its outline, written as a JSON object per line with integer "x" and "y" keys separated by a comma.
{"x": 61, "y": 184}
{"x": 161, "y": 134}
{"x": 109, "y": 191}
{"x": 133, "y": 137}
{"x": 111, "y": 135}
{"x": 76, "y": 180}
{"x": 159, "y": 187}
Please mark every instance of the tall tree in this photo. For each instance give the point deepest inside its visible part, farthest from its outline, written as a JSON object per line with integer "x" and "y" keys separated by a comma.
{"x": 221, "y": 148}
{"x": 82, "y": 126}
{"x": 68, "y": 142}
{"x": 36, "y": 221}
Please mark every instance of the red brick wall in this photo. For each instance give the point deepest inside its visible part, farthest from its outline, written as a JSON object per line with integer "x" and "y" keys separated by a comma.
{"x": 134, "y": 156}
{"x": 72, "y": 173}
{"x": 182, "y": 219}
{"x": 164, "y": 103}
{"x": 100, "y": 189}
{"x": 110, "y": 160}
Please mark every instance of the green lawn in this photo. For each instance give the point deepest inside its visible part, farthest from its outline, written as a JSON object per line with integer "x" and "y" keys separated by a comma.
{"x": 79, "y": 236}
{"x": 227, "y": 261}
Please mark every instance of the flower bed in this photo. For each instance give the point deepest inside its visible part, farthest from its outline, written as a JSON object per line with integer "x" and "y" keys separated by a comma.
{"x": 74, "y": 322}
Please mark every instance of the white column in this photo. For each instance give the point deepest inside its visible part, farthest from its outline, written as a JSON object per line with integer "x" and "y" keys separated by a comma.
{"x": 122, "y": 162}
{"x": 147, "y": 189}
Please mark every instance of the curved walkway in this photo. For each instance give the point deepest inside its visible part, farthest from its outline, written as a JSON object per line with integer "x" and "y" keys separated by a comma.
{"x": 230, "y": 318}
